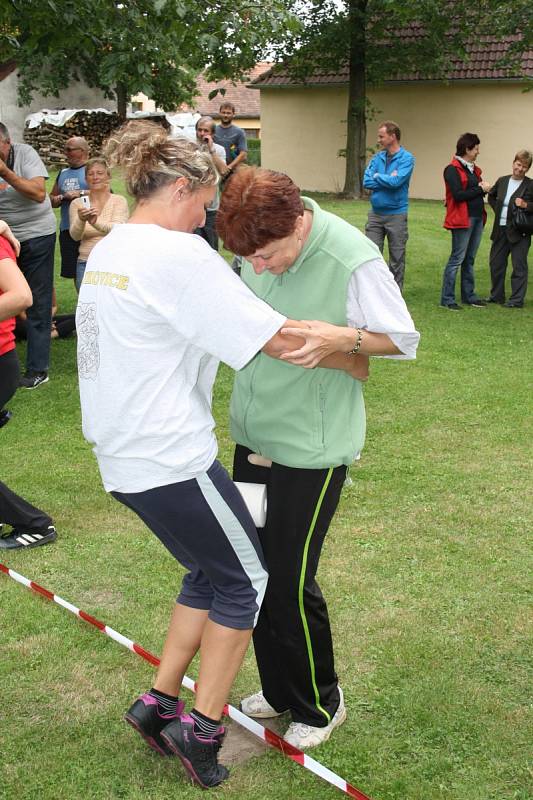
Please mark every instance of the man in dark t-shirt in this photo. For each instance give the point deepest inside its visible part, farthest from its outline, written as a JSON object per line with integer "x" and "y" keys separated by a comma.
{"x": 231, "y": 137}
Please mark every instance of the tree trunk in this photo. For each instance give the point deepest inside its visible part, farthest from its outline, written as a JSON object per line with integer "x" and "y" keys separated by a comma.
{"x": 356, "y": 115}
{"x": 122, "y": 101}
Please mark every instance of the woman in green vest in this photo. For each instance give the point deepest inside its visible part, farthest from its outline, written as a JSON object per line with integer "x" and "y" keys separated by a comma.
{"x": 297, "y": 430}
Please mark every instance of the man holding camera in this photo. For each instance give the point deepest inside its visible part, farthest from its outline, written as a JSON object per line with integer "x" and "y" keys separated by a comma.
{"x": 205, "y": 130}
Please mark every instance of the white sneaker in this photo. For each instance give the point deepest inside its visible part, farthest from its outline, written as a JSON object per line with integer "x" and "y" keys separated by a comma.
{"x": 257, "y": 706}
{"x": 302, "y": 736}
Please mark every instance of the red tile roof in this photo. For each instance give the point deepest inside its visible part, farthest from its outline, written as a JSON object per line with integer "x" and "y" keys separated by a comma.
{"x": 247, "y": 102}
{"x": 481, "y": 63}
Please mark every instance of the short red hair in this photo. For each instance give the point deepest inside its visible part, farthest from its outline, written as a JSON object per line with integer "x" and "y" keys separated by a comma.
{"x": 257, "y": 206}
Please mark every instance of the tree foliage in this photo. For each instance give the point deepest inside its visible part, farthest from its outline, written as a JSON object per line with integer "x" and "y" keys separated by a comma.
{"x": 385, "y": 39}
{"x": 157, "y": 47}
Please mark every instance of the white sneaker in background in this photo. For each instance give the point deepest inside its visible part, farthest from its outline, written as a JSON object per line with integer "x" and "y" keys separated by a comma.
{"x": 257, "y": 706}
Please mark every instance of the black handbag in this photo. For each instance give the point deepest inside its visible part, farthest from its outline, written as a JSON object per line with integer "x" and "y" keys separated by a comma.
{"x": 522, "y": 220}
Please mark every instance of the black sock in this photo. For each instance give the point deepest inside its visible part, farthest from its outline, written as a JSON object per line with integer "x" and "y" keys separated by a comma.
{"x": 166, "y": 703}
{"x": 204, "y": 727}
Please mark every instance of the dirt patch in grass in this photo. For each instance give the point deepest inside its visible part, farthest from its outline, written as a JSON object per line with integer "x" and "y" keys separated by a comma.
{"x": 240, "y": 745}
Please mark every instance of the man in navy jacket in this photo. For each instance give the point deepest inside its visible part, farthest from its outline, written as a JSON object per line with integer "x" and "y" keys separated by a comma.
{"x": 388, "y": 175}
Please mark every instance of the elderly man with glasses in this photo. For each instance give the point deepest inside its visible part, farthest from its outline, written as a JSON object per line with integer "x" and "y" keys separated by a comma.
{"x": 70, "y": 184}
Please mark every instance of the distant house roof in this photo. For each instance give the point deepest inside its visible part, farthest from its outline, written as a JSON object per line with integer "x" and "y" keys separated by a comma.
{"x": 480, "y": 64}
{"x": 247, "y": 102}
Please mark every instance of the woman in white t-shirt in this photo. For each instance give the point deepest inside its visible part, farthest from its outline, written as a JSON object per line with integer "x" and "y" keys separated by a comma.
{"x": 158, "y": 309}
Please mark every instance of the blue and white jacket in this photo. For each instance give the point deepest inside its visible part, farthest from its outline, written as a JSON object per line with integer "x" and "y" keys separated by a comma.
{"x": 389, "y": 193}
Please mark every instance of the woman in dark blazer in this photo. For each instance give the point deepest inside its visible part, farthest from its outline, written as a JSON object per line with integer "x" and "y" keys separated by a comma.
{"x": 508, "y": 191}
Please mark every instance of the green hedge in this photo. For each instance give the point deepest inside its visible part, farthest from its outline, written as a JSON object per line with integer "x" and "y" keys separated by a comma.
{"x": 254, "y": 152}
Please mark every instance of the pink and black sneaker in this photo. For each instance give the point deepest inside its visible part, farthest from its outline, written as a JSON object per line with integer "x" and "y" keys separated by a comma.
{"x": 198, "y": 756}
{"x": 144, "y": 716}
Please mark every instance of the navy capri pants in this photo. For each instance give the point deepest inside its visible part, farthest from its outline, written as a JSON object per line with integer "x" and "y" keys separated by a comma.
{"x": 206, "y": 526}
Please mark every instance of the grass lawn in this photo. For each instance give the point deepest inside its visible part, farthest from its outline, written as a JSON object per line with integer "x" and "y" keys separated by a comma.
{"x": 427, "y": 571}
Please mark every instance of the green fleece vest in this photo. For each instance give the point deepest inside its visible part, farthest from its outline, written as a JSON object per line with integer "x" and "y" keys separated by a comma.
{"x": 298, "y": 417}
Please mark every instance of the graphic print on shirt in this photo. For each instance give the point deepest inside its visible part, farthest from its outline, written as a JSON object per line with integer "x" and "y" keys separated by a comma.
{"x": 71, "y": 184}
{"x": 88, "y": 351}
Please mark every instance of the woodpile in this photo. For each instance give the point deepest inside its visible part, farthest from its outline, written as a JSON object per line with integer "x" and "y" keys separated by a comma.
{"x": 49, "y": 140}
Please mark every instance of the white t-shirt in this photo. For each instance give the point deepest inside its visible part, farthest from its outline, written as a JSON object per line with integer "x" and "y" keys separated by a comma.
{"x": 374, "y": 302}
{"x": 157, "y": 311}
{"x": 511, "y": 189}
{"x": 221, "y": 153}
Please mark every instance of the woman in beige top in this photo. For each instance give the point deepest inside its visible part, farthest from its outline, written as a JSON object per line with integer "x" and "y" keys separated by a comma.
{"x": 89, "y": 225}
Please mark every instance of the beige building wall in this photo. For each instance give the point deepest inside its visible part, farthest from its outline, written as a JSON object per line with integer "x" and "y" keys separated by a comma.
{"x": 304, "y": 129}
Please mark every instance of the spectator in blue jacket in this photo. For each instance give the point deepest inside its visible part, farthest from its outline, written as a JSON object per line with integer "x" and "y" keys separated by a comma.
{"x": 387, "y": 176}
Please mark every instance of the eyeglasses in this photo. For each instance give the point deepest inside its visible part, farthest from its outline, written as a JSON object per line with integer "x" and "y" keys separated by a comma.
{"x": 71, "y": 149}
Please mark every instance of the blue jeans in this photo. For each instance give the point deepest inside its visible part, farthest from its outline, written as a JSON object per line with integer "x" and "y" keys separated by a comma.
{"x": 465, "y": 244}
{"x": 80, "y": 272}
{"x": 36, "y": 261}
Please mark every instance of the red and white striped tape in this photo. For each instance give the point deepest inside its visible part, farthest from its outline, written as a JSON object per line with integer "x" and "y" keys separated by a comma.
{"x": 251, "y": 725}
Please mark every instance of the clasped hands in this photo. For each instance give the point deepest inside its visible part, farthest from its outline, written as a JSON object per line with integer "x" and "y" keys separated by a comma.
{"x": 321, "y": 340}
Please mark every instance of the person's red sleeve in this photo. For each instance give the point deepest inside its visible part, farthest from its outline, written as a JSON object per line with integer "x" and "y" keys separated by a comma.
{"x": 6, "y": 250}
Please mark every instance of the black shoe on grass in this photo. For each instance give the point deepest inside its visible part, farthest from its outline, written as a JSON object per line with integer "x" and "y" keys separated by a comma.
{"x": 31, "y": 380}
{"x": 199, "y": 757}
{"x": 144, "y": 716}
{"x": 27, "y": 537}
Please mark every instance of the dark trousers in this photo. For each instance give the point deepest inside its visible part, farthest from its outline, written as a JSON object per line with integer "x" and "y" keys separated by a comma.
{"x": 392, "y": 227}
{"x": 9, "y": 376}
{"x": 69, "y": 254}
{"x": 18, "y": 513}
{"x": 36, "y": 260}
{"x": 209, "y": 232}
{"x": 499, "y": 256}
{"x": 292, "y": 639}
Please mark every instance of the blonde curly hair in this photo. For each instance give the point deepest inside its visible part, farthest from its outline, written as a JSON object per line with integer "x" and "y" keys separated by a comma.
{"x": 151, "y": 159}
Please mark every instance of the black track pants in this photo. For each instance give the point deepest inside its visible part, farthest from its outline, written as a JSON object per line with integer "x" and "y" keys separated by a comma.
{"x": 292, "y": 640}
{"x": 16, "y": 511}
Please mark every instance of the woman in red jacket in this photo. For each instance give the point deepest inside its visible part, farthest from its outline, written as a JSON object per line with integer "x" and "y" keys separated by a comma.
{"x": 465, "y": 218}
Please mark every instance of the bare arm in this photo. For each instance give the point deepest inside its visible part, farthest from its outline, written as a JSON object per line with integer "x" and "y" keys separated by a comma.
{"x": 357, "y": 365}
{"x": 243, "y": 155}
{"x": 55, "y": 197}
{"x": 322, "y": 339}
{"x": 280, "y": 343}
{"x": 7, "y": 233}
{"x": 32, "y": 188}
{"x": 284, "y": 346}
{"x": 16, "y": 294}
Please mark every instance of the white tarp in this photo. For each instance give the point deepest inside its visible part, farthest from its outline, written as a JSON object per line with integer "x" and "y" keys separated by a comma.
{"x": 181, "y": 123}
{"x": 58, "y": 117}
